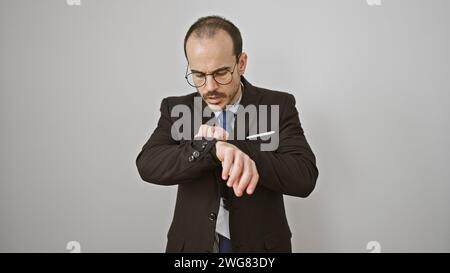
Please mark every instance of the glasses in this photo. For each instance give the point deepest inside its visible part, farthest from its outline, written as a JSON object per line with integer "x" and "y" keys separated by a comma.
{"x": 198, "y": 79}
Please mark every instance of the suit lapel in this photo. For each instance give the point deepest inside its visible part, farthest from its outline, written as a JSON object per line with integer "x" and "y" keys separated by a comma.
{"x": 250, "y": 96}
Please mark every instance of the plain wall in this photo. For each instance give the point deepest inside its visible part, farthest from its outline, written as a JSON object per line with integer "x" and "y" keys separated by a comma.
{"x": 80, "y": 91}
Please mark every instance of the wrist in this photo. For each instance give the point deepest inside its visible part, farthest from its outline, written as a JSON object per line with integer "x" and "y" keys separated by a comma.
{"x": 214, "y": 150}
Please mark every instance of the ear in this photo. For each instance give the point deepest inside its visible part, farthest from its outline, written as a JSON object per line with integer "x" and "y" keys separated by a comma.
{"x": 242, "y": 63}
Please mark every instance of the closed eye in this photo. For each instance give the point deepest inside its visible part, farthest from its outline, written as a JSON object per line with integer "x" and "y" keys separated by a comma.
{"x": 221, "y": 72}
{"x": 198, "y": 74}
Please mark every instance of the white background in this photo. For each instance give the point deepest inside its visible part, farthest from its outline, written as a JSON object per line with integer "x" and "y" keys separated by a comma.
{"x": 81, "y": 88}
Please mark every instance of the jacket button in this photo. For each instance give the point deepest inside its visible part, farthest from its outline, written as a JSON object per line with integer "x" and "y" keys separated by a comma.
{"x": 196, "y": 154}
{"x": 191, "y": 158}
{"x": 212, "y": 216}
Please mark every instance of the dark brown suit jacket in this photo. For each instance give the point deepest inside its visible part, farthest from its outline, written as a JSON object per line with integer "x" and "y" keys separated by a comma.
{"x": 257, "y": 222}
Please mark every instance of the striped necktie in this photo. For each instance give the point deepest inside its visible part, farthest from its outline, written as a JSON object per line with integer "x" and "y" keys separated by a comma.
{"x": 225, "y": 118}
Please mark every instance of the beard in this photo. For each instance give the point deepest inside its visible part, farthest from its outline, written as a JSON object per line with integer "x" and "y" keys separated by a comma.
{"x": 216, "y": 99}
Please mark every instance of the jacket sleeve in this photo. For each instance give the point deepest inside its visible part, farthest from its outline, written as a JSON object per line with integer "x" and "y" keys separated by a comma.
{"x": 291, "y": 169}
{"x": 165, "y": 161}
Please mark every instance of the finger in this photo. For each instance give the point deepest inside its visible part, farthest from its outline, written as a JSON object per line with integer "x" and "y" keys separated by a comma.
{"x": 238, "y": 166}
{"x": 226, "y": 164}
{"x": 245, "y": 177}
{"x": 204, "y": 130}
{"x": 254, "y": 181}
{"x": 224, "y": 134}
{"x": 218, "y": 134}
{"x": 252, "y": 185}
{"x": 199, "y": 133}
{"x": 210, "y": 132}
{"x": 229, "y": 183}
{"x": 235, "y": 188}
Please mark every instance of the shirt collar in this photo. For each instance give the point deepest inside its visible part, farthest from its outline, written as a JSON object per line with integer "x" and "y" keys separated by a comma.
{"x": 233, "y": 108}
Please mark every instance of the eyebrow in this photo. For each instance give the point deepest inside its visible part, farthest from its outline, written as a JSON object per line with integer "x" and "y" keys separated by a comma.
{"x": 218, "y": 69}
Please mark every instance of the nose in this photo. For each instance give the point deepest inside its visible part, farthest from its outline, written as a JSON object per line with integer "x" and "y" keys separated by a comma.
{"x": 211, "y": 84}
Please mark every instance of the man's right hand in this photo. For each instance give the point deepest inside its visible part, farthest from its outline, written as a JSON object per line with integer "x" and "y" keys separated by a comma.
{"x": 208, "y": 131}
{"x": 238, "y": 168}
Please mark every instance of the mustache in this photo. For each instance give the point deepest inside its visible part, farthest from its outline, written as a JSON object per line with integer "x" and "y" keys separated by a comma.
{"x": 214, "y": 94}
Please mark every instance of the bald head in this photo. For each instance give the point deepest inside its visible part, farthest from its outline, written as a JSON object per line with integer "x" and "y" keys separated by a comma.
{"x": 207, "y": 27}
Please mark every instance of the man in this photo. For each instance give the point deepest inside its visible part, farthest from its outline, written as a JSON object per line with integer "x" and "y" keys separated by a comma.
{"x": 230, "y": 192}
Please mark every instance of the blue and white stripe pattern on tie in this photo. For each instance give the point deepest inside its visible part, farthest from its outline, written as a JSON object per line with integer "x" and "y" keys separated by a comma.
{"x": 226, "y": 119}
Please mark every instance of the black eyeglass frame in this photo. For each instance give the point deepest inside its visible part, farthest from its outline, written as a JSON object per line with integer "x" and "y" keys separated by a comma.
{"x": 212, "y": 74}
